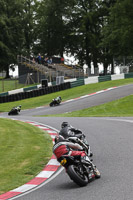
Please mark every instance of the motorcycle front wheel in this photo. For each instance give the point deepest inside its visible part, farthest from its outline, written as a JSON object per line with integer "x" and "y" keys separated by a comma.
{"x": 76, "y": 175}
{"x": 51, "y": 104}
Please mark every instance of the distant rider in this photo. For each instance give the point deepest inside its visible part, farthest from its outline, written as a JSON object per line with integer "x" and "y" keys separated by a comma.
{"x": 58, "y": 99}
{"x": 18, "y": 108}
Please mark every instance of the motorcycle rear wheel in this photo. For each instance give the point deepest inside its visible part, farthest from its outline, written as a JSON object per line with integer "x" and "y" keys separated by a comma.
{"x": 76, "y": 176}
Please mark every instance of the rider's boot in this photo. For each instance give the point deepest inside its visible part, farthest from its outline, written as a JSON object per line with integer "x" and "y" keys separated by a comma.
{"x": 96, "y": 172}
{"x": 91, "y": 154}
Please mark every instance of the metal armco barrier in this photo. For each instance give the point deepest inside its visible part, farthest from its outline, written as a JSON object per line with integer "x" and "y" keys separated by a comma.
{"x": 34, "y": 93}
{"x": 30, "y": 88}
{"x": 104, "y": 78}
{"x": 4, "y": 94}
{"x": 79, "y": 82}
{"x": 129, "y": 75}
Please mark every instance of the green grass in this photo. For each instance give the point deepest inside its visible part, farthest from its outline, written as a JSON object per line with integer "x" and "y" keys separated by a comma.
{"x": 24, "y": 151}
{"x": 65, "y": 94}
{"x": 8, "y": 85}
{"x": 119, "y": 108}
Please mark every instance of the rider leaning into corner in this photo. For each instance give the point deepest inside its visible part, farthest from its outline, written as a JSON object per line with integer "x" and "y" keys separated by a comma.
{"x": 63, "y": 146}
{"x": 58, "y": 99}
{"x": 18, "y": 108}
{"x": 67, "y": 131}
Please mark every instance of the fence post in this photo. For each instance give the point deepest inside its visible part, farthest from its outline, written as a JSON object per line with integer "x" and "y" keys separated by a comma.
{"x": 2, "y": 85}
{"x": 50, "y": 79}
{"x": 15, "y": 83}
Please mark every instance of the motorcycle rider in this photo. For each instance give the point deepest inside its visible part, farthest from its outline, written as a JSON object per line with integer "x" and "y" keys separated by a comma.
{"x": 63, "y": 146}
{"x": 67, "y": 131}
{"x": 18, "y": 108}
{"x": 58, "y": 99}
{"x": 15, "y": 110}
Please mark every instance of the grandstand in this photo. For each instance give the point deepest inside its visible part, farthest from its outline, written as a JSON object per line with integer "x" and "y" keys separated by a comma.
{"x": 45, "y": 71}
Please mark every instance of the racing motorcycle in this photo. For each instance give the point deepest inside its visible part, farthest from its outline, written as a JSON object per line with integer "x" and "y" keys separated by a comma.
{"x": 55, "y": 102}
{"x": 15, "y": 110}
{"x": 79, "y": 170}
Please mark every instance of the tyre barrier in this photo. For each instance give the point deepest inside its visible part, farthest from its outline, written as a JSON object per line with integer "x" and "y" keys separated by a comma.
{"x": 34, "y": 93}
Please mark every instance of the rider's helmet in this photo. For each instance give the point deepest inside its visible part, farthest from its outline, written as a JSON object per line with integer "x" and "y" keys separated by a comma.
{"x": 19, "y": 106}
{"x": 59, "y": 138}
{"x": 64, "y": 124}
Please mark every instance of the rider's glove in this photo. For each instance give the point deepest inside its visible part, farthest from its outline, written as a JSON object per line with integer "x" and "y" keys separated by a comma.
{"x": 73, "y": 139}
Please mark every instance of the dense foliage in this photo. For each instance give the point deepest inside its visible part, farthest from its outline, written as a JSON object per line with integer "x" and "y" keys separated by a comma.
{"x": 91, "y": 30}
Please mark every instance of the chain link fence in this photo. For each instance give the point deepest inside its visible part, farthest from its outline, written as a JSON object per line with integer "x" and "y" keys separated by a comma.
{"x": 9, "y": 84}
{"x": 36, "y": 78}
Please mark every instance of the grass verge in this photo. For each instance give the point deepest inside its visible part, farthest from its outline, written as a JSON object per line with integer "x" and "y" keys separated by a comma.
{"x": 119, "y": 108}
{"x": 65, "y": 94}
{"x": 8, "y": 85}
{"x": 24, "y": 151}
{"x": 11, "y": 84}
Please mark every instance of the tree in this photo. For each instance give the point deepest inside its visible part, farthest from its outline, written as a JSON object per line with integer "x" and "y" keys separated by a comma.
{"x": 106, "y": 55}
{"x": 29, "y": 25}
{"x": 11, "y": 36}
{"x": 119, "y": 29}
{"x": 85, "y": 32}
{"x": 51, "y": 27}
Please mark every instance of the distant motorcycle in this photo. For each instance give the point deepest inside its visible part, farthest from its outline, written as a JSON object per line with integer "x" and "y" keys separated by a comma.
{"x": 55, "y": 102}
{"x": 15, "y": 110}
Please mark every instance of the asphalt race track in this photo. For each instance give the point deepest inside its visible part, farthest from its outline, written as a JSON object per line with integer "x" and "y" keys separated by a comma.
{"x": 111, "y": 140}
{"x": 90, "y": 101}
